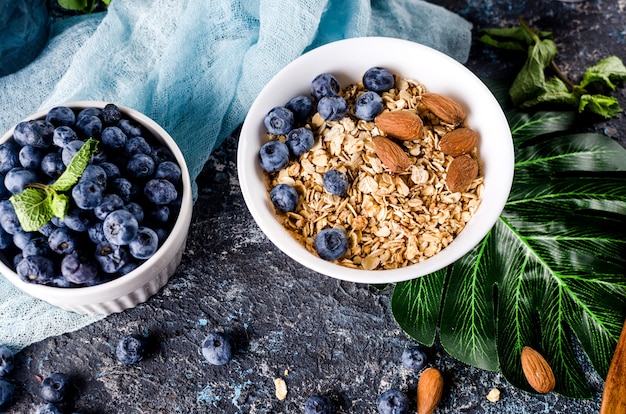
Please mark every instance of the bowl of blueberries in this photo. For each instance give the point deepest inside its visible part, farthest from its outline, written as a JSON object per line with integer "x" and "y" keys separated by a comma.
{"x": 375, "y": 160}
{"x": 95, "y": 206}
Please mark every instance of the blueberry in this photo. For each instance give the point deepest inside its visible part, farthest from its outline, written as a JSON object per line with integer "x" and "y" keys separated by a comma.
{"x": 331, "y": 244}
{"x": 130, "y": 128}
{"x": 217, "y": 348}
{"x": 52, "y": 164}
{"x": 110, "y": 203}
{"x": 120, "y": 227}
{"x": 140, "y": 166}
{"x": 136, "y": 210}
{"x": 368, "y": 105}
{"x": 273, "y": 156}
{"x": 299, "y": 141}
{"x": 159, "y": 214}
{"x": 414, "y": 358}
{"x": 6, "y": 360}
{"x": 110, "y": 257}
{"x": 55, "y": 387}
{"x": 47, "y": 229}
{"x": 6, "y": 239}
{"x": 8, "y": 219}
{"x": 61, "y": 116}
{"x": 324, "y": 84}
{"x": 63, "y": 135}
{"x": 318, "y": 405}
{"x": 393, "y": 401}
{"x": 131, "y": 349}
{"x": 137, "y": 145}
{"x": 378, "y": 79}
{"x": 332, "y": 108}
{"x": 128, "y": 267}
{"x": 8, "y": 157}
{"x": 30, "y": 157}
{"x": 87, "y": 195}
{"x": 78, "y": 268}
{"x": 111, "y": 114}
{"x": 168, "y": 170}
{"x": 124, "y": 188}
{"x": 48, "y": 409}
{"x": 78, "y": 219}
{"x": 96, "y": 174}
{"x": 89, "y": 111}
{"x": 90, "y": 126}
{"x": 279, "y": 120}
{"x": 37, "y": 133}
{"x": 62, "y": 241}
{"x": 336, "y": 182}
{"x": 284, "y": 197}
{"x": 160, "y": 191}
{"x": 145, "y": 243}
{"x": 301, "y": 106}
{"x": 111, "y": 170}
{"x": 113, "y": 138}
{"x": 35, "y": 269}
{"x": 7, "y": 390}
{"x": 20, "y": 238}
{"x": 68, "y": 152}
{"x": 37, "y": 246}
{"x": 16, "y": 179}
{"x": 96, "y": 232}
{"x": 161, "y": 153}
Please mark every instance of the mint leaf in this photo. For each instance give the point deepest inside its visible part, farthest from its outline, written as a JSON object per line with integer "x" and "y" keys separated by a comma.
{"x": 33, "y": 208}
{"x": 556, "y": 93}
{"x": 607, "y": 106}
{"x": 607, "y": 71}
{"x": 59, "y": 204}
{"x": 511, "y": 38}
{"x": 78, "y": 164}
{"x": 530, "y": 81}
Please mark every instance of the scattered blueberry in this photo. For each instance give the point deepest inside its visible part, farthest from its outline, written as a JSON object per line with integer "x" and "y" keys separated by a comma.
{"x": 55, "y": 387}
{"x": 7, "y": 390}
{"x": 324, "y": 84}
{"x": 160, "y": 191}
{"x": 332, "y": 108}
{"x": 299, "y": 141}
{"x": 318, "y": 405}
{"x": 120, "y": 227}
{"x": 331, "y": 244}
{"x": 414, "y": 358}
{"x": 378, "y": 79}
{"x": 284, "y": 197}
{"x": 368, "y": 105}
{"x": 145, "y": 243}
{"x": 131, "y": 349}
{"x": 6, "y": 360}
{"x": 279, "y": 120}
{"x": 61, "y": 116}
{"x": 393, "y": 401}
{"x": 336, "y": 182}
{"x": 301, "y": 106}
{"x": 273, "y": 156}
{"x": 217, "y": 348}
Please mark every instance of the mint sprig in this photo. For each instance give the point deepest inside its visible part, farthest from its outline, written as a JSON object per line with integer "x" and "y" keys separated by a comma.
{"x": 38, "y": 203}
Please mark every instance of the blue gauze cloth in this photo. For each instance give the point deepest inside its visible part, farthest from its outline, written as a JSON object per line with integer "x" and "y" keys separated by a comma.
{"x": 195, "y": 67}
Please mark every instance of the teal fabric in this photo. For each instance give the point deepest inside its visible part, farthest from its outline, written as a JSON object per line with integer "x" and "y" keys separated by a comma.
{"x": 194, "y": 66}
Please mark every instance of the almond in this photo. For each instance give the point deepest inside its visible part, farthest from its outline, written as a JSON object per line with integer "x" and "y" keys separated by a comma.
{"x": 391, "y": 154}
{"x": 458, "y": 142}
{"x": 537, "y": 371}
{"x": 461, "y": 172}
{"x": 403, "y": 125}
{"x": 429, "y": 390}
{"x": 446, "y": 109}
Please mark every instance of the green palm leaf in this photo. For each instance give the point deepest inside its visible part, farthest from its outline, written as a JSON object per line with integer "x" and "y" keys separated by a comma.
{"x": 551, "y": 271}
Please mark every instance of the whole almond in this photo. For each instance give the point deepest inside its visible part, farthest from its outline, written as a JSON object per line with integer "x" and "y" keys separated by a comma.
{"x": 429, "y": 390}
{"x": 458, "y": 142}
{"x": 446, "y": 109}
{"x": 391, "y": 154}
{"x": 403, "y": 125}
{"x": 537, "y": 371}
{"x": 461, "y": 172}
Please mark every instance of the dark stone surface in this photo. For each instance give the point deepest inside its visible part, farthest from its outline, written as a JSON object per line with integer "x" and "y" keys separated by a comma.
{"x": 323, "y": 336}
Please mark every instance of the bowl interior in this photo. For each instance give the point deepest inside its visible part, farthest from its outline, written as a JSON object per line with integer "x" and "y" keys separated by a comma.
{"x": 348, "y": 60}
{"x": 137, "y": 278}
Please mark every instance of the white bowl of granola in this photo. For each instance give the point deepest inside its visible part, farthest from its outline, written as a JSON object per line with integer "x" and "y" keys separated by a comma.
{"x": 405, "y": 210}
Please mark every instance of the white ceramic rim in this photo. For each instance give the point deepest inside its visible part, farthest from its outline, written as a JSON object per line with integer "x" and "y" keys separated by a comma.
{"x": 69, "y": 298}
{"x": 407, "y": 59}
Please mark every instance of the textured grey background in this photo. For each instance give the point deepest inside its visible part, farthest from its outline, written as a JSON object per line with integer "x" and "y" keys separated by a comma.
{"x": 321, "y": 335}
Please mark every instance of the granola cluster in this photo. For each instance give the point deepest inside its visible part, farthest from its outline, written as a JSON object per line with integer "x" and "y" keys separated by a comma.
{"x": 392, "y": 220}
